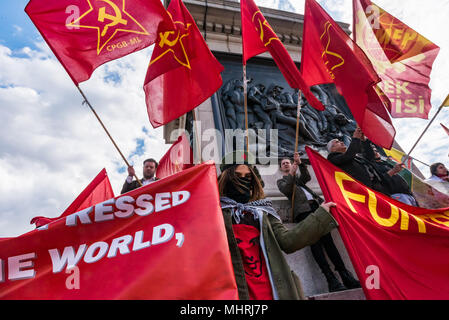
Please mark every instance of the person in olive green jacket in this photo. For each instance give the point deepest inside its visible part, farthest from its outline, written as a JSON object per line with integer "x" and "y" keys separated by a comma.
{"x": 257, "y": 237}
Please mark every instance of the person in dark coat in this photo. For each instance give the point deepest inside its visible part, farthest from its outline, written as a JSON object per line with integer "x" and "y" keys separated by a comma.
{"x": 354, "y": 161}
{"x": 307, "y": 201}
{"x": 149, "y": 176}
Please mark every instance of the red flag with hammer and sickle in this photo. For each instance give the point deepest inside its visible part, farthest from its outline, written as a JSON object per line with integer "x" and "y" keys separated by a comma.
{"x": 183, "y": 73}
{"x": 85, "y": 34}
{"x": 330, "y": 56}
{"x": 259, "y": 37}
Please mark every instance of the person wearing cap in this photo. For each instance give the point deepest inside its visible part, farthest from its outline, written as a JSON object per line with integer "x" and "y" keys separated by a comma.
{"x": 306, "y": 202}
{"x": 257, "y": 237}
{"x": 353, "y": 160}
{"x": 439, "y": 178}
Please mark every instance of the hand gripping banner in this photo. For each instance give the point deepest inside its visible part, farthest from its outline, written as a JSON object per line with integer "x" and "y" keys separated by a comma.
{"x": 166, "y": 240}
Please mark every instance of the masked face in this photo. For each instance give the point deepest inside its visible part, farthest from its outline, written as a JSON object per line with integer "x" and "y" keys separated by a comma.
{"x": 239, "y": 188}
{"x": 248, "y": 242}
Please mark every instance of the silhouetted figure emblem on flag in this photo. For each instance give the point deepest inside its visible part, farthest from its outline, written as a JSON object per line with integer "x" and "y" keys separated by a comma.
{"x": 333, "y": 59}
{"x": 108, "y": 17}
{"x": 262, "y": 26}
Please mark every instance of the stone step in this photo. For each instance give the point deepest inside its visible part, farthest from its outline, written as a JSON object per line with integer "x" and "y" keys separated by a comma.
{"x": 353, "y": 294}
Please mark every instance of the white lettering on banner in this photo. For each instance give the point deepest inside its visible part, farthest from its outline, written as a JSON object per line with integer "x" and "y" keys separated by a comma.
{"x": 17, "y": 264}
{"x": 126, "y": 206}
{"x": 98, "y": 250}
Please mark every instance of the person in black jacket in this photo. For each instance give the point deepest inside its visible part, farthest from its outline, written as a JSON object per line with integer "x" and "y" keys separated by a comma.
{"x": 149, "y": 172}
{"x": 305, "y": 202}
{"x": 354, "y": 160}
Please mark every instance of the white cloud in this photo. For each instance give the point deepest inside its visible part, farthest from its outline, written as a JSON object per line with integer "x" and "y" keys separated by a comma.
{"x": 52, "y": 146}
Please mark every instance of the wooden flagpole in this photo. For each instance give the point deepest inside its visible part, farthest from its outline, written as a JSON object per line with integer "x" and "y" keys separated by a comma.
{"x": 298, "y": 113}
{"x": 107, "y": 132}
{"x": 245, "y": 94}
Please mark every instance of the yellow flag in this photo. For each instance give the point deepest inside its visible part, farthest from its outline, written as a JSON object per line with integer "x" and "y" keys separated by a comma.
{"x": 395, "y": 154}
{"x": 446, "y": 102}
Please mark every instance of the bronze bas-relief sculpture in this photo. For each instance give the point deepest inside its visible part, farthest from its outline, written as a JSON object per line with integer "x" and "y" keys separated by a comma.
{"x": 276, "y": 108}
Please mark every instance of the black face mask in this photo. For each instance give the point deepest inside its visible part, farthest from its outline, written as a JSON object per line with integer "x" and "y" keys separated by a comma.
{"x": 234, "y": 193}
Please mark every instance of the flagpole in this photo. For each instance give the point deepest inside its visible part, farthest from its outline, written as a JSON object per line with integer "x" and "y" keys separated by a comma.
{"x": 298, "y": 113}
{"x": 197, "y": 140}
{"x": 422, "y": 134}
{"x": 107, "y": 132}
{"x": 245, "y": 94}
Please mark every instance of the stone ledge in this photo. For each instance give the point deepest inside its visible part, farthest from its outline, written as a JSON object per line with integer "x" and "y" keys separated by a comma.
{"x": 353, "y": 294}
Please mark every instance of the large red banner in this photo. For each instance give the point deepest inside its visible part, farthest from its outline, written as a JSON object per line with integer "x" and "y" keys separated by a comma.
{"x": 84, "y": 34}
{"x": 401, "y": 56}
{"x": 166, "y": 240}
{"x": 398, "y": 251}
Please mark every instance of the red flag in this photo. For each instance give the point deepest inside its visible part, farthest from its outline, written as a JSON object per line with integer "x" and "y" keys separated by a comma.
{"x": 183, "y": 73}
{"x": 402, "y": 57}
{"x": 259, "y": 37}
{"x": 97, "y": 191}
{"x": 166, "y": 240}
{"x": 398, "y": 251}
{"x": 445, "y": 128}
{"x": 329, "y": 55}
{"x": 85, "y": 34}
{"x": 179, "y": 157}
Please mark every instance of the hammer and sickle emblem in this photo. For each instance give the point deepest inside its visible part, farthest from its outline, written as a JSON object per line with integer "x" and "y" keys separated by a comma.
{"x": 264, "y": 23}
{"x": 116, "y": 19}
{"x": 164, "y": 39}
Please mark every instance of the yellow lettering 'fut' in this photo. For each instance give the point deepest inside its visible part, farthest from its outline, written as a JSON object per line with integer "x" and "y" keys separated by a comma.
{"x": 111, "y": 19}
{"x": 396, "y": 214}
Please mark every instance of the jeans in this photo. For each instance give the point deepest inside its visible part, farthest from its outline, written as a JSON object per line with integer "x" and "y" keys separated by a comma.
{"x": 405, "y": 198}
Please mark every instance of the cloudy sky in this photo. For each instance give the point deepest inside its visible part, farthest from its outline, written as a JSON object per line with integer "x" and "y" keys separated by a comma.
{"x": 51, "y": 146}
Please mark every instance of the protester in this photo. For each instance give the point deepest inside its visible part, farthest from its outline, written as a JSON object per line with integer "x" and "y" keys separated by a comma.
{"x": 399, "y": 188}
{"x": 439, "y": 177}
{"x": 305, "y": 202}
{"x": 149, "y": 171}
{"x": 256, "y": 234}
{"x": 361, "y": 169}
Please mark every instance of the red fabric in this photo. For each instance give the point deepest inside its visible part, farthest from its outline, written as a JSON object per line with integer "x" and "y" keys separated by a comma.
{"x": 179, "y": 157}
{"x": 183, "y": 73}
{"x": 259, "y": 37}
{"x": 330, "y": 56}
{"x": 173, "y": 246}
{"x": 103, "y": 31}
{"x": 97, "y": 191}
{"x": 256, "y": 272}
{"x": 398, "y": 251}
{"x": 402, "y": 57}
{"x": 445, "y": 128}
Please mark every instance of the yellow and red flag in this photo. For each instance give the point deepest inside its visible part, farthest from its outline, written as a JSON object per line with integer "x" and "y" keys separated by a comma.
{"x": 330, "y": 56}
{"x": 401, "y": 56}
{"x": 85, "y": 34}
{"x": 183, "y": 73}
{"x": 259, "y": 37}
{"x": 179, "y": 157}
{"x": 399, "y": 252}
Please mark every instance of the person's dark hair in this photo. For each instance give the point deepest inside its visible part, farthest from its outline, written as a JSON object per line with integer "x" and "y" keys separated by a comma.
{"x": 151, "y": 160}
{"x": 284, "y": 158}
{"x": 433, "y": 168}
{"x": 229, "y": 176}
